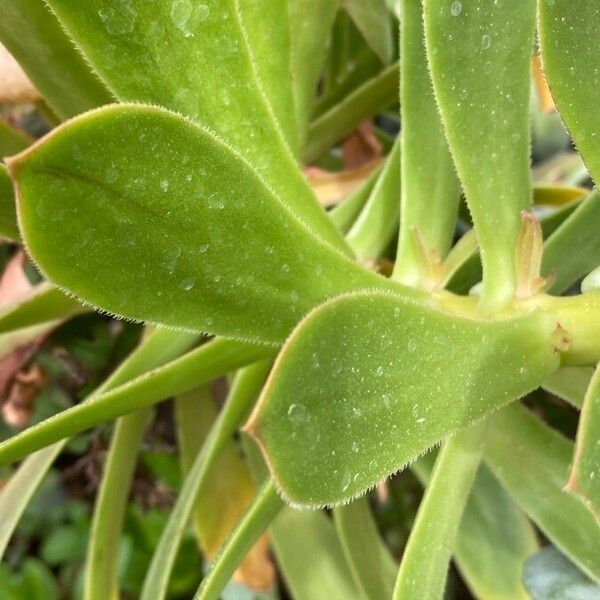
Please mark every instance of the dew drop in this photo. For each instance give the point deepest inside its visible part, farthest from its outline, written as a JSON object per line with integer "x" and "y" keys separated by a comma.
{"x": 188, "y": 283}
{"x": 181, "y": 11}
{"x": 486, "y": 41}
{"x": 412, "y": 345}
{"x": 203, "y": 248}
{"x": 386, "y": 400}
{"x": 346, "y": 480}
{"x": 119, "y": 21}
{"x": 112, "y": 174}
{"x": 164, "y": 185}
{"x": 456, "y": 8}
{"x": 297, "y": 413}
{"x": 379, "y": 371}
{"x": 172, "y": 258}
{"x": 285, "y": 268}
{"x": 202, "y": 11}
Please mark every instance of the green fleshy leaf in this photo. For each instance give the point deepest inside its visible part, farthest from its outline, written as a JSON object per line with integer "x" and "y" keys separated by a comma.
{"x": 494, "y": 539}
{"x": 373, "y": 567}
{"x": 35, "y": 38}
{"x": 571, "y": 64}
{"x": 430, "y": 185}
{"x": 480, "y": 59}
{"x": 532, "y": 463}
{"x": 102, "y": 561}
{"x": 585, "y": 471}
{"x": 550, "y": 576}
{"x": 12, "y": 140}
{"x": 372, "y": 97}
{"x": 345, "y": 214}
{"x": 377, "y": 222}
{"x": 171, "y": 53}
{"x": 160, "y": 238}
{"x": 310, "y": 23}
{"x": 345, "y": 404}
{"x": 426, "y": 558}
{"x": 8, "y": 212}
{"x": 375, "y": 23}
{"x": 580, "y": 230}
{"x": 272, "y": 68}
{"x": 305, "y": 542}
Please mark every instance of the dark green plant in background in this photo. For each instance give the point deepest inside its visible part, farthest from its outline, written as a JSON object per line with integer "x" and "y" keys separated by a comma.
{"x": 179, "y": 201}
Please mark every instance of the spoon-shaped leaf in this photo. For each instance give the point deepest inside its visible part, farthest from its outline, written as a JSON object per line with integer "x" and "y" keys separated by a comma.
{"x": 154, "y": 218}
{"x": 585, "y": 471}
{"x": 572, "y": 66}
{"x": 207, "y": 61}
{"x": 369, "y": 381}
{"x": 480, "y": 60}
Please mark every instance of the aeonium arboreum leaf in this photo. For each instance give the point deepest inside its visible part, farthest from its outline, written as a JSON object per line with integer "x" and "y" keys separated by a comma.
{"x": 585, "y": 470}
{"x": 480, "y": 61}
{"x": 369, "y": 381}
{"x": 141, "y": 212}
{"x": 212, "y": 61}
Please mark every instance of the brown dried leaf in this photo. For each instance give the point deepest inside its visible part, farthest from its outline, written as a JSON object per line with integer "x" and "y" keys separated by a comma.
{"x": 257, "y": 570}
{"x": 20, "y": 403}
{"x": 333, "y": 187}
{"x": 14, "y": 285}
{"x": 15, "y": 86}
{"x": 361, "y": 146}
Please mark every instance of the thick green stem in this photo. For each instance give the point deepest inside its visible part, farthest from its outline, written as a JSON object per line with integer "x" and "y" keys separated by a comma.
{"x": 103, "y": 551}
{"x": 427, "y": 555}
{"x": 578, "y": 326}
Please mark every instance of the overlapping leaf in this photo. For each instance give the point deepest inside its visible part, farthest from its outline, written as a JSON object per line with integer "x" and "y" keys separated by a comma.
{"x": 532, "y": 462}
{"x": 144, "y": 226}
{"x": 585, "y": 471}
{"x": 369, "y": 381}
{"x": 429, "y": 182}
{"x": 208, "y": 61}
{"x": 480, "y": 57}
